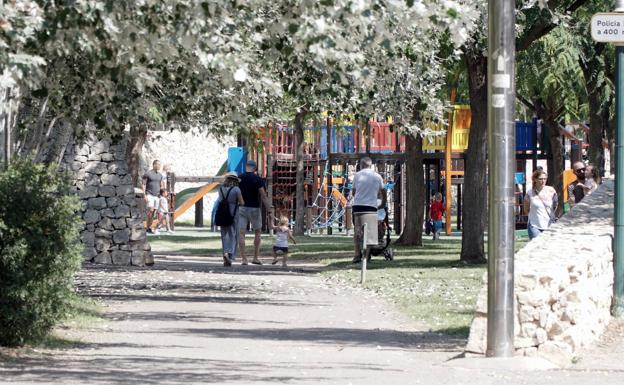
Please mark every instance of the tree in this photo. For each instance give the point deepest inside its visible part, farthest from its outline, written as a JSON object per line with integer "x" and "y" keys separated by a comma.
{"x": 536, "y": 21}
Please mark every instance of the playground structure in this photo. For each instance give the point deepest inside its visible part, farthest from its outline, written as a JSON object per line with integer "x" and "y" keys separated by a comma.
{"x": 330, "y": 162}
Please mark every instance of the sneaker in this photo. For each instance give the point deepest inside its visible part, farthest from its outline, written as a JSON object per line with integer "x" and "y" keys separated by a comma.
{"x": 149, "y": 230}
{"x": 156, "y": 231}
{"x": 357, "y": 259}
{"x": 227, "y": 262}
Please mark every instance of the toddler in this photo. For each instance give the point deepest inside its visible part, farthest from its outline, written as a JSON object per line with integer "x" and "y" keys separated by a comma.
{"x": 282, "y": 234}
{"x": 163, "y": 211}
{"x": 437, "y": 209}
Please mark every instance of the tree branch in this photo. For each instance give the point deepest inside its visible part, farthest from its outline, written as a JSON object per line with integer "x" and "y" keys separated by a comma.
{"x": 526, "y": 102}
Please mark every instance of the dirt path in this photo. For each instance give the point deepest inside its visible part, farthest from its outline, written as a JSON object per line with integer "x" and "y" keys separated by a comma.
{"x": 188, "y": 320}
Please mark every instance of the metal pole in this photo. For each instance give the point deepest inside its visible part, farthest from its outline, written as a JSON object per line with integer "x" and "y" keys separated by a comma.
{"x": 6, "y": 122}
{"x": 618, "y": 236}
{"x": 501, "y": 150}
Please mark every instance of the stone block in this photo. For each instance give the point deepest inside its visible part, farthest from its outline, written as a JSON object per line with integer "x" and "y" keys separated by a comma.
{"x": 138, "y": 257}
{"x": 528, "y": 329}
{"x": 119, "y": 223}
{"x": 113, "y": 202}
{"x": 97, "y": 168}
{"x": 107, "y": 191}
{"x": 102, "y": 244}
{"x": 75, "y": 166}
{"x": 107, "y": 157}
{"x": 117, "y": 167}
{"x": 524, "y": 342}
{"x": 109, "y": 213}
{"x": 138, "y": 234}
{"x": 82, "y": 150}
{"x": 526, "y": 281}
{"x": 91, "y": 179}
{"x": 536, "y": 298}
{"x": 81, "y": 158}
{"x": 119, "y": 155}
{"x": 88, "y": 192}
{"x": 111, "y": 179}
{"x": 126, "y": 180}
{"x": 95, "y": 157}
{"x": 527, "y": 314}
{"x": 90, "y": 227}
{"x": 105, "y": 223}
{"x": 96, "y": 203}
{"x": 102, "y": 233}
{"x": 541, "y": 336}
{"x": 557, "y": 352}
{"x": 124, "y": 190}
{"x": 122, "y": 211}
{"x": 121, "y": 236}
{"x": 100, "y": 146}
{"x": 91, "y": 216}
{"x": 121, "y": 257}
{"x": 130, "y": 200}
{"x": 477, "y": 337}
{"x": 558, "y": 328}
{"x": 89, "y": 253}
{"x": 80, "y": 174}
{"x": 103, "y": 258}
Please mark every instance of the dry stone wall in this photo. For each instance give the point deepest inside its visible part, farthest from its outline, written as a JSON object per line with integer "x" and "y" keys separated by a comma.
{"x": 563, "y": 283}
{"x": 113, "y": 212}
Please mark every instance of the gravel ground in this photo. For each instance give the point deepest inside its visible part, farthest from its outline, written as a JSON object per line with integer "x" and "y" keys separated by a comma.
{"x": 189, "y": 320}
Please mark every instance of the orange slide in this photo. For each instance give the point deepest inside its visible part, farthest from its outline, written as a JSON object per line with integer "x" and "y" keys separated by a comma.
{"x": 188, "y": 203}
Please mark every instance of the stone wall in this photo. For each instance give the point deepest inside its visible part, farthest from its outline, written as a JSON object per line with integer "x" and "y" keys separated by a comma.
{"x": 112, "y": 210}
{"x": 190, "y": 153}
{"x": 563, "y": 283}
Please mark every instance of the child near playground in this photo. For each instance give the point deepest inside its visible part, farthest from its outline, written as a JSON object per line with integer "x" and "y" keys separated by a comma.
{"x": 282, "y": 234}
{"x": 163, "y": 211}
{"x": 437, "y": 209}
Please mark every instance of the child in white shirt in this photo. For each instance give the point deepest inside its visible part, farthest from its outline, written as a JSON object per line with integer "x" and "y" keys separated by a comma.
{"x": 163, "y": 211}
{"x": 282, "y": 234}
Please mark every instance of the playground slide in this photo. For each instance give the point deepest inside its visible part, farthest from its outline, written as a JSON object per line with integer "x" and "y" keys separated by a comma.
{"x": 187, "y": 198}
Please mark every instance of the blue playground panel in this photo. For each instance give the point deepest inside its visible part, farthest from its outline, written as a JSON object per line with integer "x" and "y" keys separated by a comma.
{"x": 520, "y": 178}
{"x": 525, "y": 136}
{"x": 237, "y": 157}
{"x": 347, "y": 141}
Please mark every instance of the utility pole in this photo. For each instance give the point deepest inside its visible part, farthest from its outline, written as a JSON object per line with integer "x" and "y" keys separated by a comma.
{"x": 618, "y": 231}
{"x": 501, "y": 154}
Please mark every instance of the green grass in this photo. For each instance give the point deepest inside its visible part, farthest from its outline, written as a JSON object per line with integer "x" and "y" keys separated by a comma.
{"x": 426, "y": 283}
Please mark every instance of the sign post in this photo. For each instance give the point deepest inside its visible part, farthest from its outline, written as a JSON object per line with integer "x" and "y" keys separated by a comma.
{"x": 501, "y": 162}
{"x": 609, "y": 28}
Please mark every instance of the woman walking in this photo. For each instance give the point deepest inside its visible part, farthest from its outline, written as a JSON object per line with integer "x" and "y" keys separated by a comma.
{"x": 230, "y": 193}
{"x": 541, "y": 204}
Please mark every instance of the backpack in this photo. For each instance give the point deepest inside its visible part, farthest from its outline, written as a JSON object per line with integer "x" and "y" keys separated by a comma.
{"x": 223, "y": 216}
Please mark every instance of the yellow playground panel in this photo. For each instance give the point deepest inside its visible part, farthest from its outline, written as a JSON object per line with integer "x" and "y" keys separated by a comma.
{"x": 461, "y": 129}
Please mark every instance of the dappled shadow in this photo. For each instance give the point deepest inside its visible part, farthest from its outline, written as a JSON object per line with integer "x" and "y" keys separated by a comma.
{"x": 425, "y": 341}
{"x": 377, "y": 263}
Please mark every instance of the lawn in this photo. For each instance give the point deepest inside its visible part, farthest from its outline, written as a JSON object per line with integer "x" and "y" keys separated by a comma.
{"x": 426, "y": 283}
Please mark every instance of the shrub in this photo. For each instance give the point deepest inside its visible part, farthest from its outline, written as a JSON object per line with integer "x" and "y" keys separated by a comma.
{"x": 39, "y": 250}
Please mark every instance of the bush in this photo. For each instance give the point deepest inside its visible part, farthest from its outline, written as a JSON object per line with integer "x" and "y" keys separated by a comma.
{"x": 39, "y": 250}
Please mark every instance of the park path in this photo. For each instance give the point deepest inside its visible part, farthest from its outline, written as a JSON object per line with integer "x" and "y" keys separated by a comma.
{"x": 189, "y": 320}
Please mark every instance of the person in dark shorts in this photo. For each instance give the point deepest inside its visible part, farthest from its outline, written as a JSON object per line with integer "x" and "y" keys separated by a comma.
{"x": 367, "y": 186}
{"x": 253, "y": 189}
{"x": 153, "y": 181}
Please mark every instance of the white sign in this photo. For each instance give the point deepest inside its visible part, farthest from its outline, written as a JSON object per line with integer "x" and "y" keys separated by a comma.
{"x": 608, "y": 27}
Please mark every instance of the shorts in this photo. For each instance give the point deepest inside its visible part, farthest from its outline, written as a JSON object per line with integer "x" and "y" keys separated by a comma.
{"x": 281, "y": 248}
{"x": 152, "y": 202}
{"x": 249, "y": 215}
{"x": 437, "y": 226}
{"x": 359, "y": 219}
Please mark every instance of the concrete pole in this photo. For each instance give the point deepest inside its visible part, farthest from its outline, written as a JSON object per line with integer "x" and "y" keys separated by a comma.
{"x": 618, "y": 239}
{"x": 501, "y": 161}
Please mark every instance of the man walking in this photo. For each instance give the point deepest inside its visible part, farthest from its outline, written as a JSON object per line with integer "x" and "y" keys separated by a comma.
{"x": 253, "y": 190}
{"x": 367, "y": 186}
{"x": 153, "y": 181}
{"x": 575, "y": 189}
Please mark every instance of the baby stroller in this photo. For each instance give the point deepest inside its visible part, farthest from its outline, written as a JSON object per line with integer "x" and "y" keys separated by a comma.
{"x": 383, "y": 226}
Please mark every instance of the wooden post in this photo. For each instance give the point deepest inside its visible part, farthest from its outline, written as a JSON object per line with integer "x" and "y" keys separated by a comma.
{"x": 199, "y": 213}
{"x": 368, "y": 139}
{"x": 6, "y": 121}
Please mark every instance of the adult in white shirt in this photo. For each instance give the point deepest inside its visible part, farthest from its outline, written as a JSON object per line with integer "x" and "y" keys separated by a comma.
{"x": 541, "y": 203}
{"x": 367, "y": 186}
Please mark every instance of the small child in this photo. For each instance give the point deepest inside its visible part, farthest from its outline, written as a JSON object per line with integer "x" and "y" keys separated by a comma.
{"x": 437, "y": 209}
{"x": 163, "y": 211}
{"x": 282, "y": 234}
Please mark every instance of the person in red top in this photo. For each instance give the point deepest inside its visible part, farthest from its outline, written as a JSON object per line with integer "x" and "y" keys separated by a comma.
{"x": 437, "y": 209}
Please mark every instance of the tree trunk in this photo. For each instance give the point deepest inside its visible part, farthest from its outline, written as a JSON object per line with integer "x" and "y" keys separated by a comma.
{"x": 300, "y": 174}
{"x": 475, "y": 186}
{"x": 134, "y": 148}
{"x": 62, "y": 134}
{"x": 597, "y": 125}
{"x": 415, "y": 190}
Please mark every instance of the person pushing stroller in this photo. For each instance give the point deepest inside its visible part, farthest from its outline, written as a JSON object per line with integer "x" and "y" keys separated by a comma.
{"x": 367, "y": 186}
